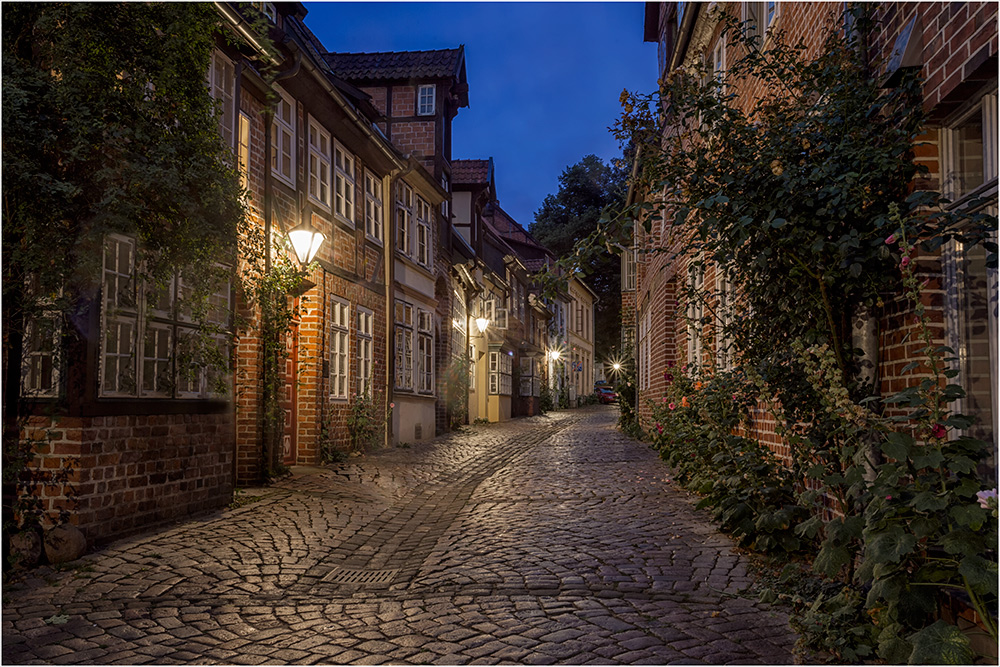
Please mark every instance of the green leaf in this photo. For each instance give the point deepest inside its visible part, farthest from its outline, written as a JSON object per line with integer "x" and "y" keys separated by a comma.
{"x": 889, "y": 545}
{"x": 927, "y": 501}
{"x": 961, "y": 464}
{"x": 933, "y": 459}
{"x": 897, "y": 445}
{"x": 981, "y": 574}
{"x": 830, "y": 560}
{"x": 940, "y": 644}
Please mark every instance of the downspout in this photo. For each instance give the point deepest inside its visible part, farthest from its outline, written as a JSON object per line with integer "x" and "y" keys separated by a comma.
{"x": 389, "y": 246}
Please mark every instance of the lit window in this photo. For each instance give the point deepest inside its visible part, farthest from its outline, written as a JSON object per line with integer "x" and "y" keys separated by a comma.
{"x": 243, "y": 151}
{"x": 425, "y": 100}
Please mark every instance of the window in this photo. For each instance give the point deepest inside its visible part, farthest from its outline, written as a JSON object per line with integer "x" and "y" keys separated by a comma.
{"x": 472, "y": 368}
{"x": 723, "y": 346}
{"x": 404, "y": 345}
{"x": 446, "y": 186}
{"x": 695, "y": 312}
{"x": 969, "y": 148}
{"x": 222, "y": 85}
{"x": 319, "y": 163}
{"x": 243, "y": 151}
{"x": 343, "y": 176}
{"x": 283, "y": 138}
{"x": 340, "y": 318}
{"x": 459, "y": 324}
{"x": 423, "y": 232}
{"x": 971, "y": 304}
{"x": 425, "y": 100}
{"x": 365, "y": 336}
{"x": 151, "y": 345}
{"x": 40, "y": 372}
{"x": 530, "y": 382}
{"x": 761, "y": 16}
{"x": 425, "y": 352}
{"x": 501, "y": 364}
{"x": 404, "y": 217}
{"x": 373, "y": 206}
{"x": 645, "y": 321}
{"x": 268, "y": 9}
{"x": 628, "y": 270}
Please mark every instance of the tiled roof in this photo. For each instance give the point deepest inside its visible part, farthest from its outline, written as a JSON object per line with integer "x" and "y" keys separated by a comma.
{"x": 442, "y": 63}
{"x": 471, "y": 172}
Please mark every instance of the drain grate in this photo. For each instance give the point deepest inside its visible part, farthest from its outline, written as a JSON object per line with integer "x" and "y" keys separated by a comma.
{"x": 339, "y": 575}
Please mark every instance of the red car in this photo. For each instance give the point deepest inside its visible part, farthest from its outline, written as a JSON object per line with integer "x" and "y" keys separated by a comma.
{"x": 606, "y": 395}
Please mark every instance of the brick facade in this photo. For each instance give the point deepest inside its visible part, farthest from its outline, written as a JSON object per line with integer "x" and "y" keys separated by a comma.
{"x": 956, "y": 49}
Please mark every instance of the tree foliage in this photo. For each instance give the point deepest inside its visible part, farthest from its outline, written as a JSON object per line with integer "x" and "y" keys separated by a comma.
{"x": 109, "y": 127}
{"x": 586, "y": 189}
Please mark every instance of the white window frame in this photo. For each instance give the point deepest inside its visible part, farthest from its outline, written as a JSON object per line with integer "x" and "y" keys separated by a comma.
{"x": 222, "y": 85}
{"x": 365, "y": 337}
{"x": 340, "y": 360}
{"x": 763, "y": 15}
{"x": 143, "y": 333}
{"x": 283, "y": 138}
{"x": 426, "y": 99}
{"x": 404, "y": 218}
{"x": 957, "y": 261}
{"x": 373, "y": 207}
{"x": 404, "y": 345}
{"x": 695, "y": 313}
{"x": 344, "y": 183}
{"x": 645, "y": 321}
{"x": 40, "y": 361}
{"x": 724, "y": 318}
{"x": 320, "y": 163}
{"x": 501, "y": 367}
{"x": 424, "y": 370}
{"x": 423, "y": 248}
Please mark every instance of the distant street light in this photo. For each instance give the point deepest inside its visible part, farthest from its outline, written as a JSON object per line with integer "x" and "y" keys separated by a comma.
{"x": 482, "y": 323}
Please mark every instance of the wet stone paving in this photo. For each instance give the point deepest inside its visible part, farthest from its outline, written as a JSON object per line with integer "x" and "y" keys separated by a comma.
{"x": 546, "y": 540}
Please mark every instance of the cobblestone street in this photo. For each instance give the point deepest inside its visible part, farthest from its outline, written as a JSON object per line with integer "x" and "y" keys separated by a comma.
{"x": 551, "y": 539}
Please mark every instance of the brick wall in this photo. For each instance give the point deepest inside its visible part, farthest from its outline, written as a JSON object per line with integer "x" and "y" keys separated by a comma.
{"x": 957, "y": 39}
{"x": 132, "y": 472}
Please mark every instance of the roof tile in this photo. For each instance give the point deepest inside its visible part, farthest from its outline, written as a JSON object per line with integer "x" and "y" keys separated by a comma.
{"x": 442, "y": 63}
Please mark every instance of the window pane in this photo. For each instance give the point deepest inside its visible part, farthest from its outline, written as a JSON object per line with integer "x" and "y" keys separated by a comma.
{"x": 969, "y": 155}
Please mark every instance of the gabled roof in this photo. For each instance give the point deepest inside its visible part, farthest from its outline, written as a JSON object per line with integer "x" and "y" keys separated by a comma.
{"x": 440, "y": 64}
{"x": 472, "y": 172}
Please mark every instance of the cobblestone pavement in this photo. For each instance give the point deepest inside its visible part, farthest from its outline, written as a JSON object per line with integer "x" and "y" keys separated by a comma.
{"x": 551, "y": 539}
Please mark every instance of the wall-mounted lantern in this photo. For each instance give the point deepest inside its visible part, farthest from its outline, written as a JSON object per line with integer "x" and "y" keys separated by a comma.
{"x": 306, "y": 241}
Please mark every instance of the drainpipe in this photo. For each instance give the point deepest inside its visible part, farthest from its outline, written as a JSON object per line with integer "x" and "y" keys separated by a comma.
{"x": 389, "y": 183}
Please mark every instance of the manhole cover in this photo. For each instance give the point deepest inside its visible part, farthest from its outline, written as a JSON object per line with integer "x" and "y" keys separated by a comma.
{"x": 339, "y": 575}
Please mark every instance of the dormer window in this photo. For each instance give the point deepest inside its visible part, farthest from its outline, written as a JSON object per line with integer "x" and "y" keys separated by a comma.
{"x": 425, "y": 100}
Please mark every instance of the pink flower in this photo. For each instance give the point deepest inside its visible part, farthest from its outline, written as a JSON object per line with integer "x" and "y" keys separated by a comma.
{"x": 392, "y": 405}
{"x": 891, "y": 239}
{"x": 888, "y": 497}
{"x": 664, "y": 399}
{"x": 672, "y": 406}
{"x": 659, "y": 429}
{"x": 939, "y": 431}
{"x": 734, "y": 397}
{"x": 985, "y": 497}
{"x": 668, "y": 377}
{"x": 904, "y": 262}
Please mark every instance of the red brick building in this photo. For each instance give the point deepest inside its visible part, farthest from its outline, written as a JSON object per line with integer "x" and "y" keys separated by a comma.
{"x": 954, "y": 45}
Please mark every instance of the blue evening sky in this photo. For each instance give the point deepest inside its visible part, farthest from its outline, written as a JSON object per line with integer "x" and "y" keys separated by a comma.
{"x": 544, "y": 78}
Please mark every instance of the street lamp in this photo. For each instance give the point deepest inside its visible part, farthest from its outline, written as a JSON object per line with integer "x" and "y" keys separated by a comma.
{"x": 482, "y": 323}
{"x": 555, "y": 354}
{"x": 306, "y": 241}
